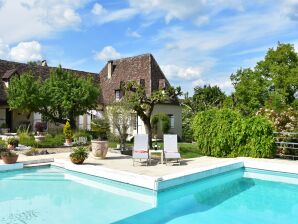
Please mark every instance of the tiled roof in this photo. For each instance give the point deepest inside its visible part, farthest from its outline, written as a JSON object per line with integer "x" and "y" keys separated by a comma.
{"x": 141, "y": 68}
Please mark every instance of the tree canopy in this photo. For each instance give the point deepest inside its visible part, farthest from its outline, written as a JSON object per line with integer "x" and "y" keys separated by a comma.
{"x": 273, "y": 82}
{"x": 61, "y": 97}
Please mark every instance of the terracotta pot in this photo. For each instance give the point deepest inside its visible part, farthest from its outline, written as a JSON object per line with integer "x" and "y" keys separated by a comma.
{"x": 10, "y": 159}
{"x": 68, "y": 141}
{"x": 99, "y": 148}
{"x": 76, "y": 160}
{"x": 10, "y": 147}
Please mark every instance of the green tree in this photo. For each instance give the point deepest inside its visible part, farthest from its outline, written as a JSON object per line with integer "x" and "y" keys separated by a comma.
{"x": 120, "y": 118}
{"x": 272, "y": 83}
{"x": 143, "y": 104}
{"x": 207, "y": 97}
{"x": 61, "y": 97}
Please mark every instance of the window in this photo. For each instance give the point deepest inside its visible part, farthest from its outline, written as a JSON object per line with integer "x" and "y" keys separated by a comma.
{"x": 142, "y": 82}
{"x": 172, "y": 120}
{"x": 117, "y": 95}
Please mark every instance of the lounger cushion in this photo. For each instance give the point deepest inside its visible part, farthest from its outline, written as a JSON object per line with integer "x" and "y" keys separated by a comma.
{"x": 140, "y": 155}
{"x": 140, "y": 151}
{"x": 172, "y": 155}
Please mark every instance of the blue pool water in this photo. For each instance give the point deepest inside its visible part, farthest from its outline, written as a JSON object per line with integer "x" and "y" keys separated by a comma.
{"x": 53, "y": 195}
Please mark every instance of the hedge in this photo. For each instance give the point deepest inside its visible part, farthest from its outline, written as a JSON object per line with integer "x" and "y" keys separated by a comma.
{"x": 226, "y": 133}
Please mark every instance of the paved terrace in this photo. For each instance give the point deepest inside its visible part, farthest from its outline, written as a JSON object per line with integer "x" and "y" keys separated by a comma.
{"x": 120, "y": 162}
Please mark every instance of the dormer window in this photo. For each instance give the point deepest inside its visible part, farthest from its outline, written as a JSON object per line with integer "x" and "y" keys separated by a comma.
{"x": 7, "y": 76}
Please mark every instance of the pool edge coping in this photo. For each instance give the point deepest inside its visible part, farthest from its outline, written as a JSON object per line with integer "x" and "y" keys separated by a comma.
{"x": 158, "y": 183}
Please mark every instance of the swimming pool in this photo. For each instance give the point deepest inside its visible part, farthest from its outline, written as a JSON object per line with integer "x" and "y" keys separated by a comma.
{"x": 54, "y": 195}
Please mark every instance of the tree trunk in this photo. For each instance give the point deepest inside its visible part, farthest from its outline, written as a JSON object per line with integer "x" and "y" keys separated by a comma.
{"x": 72, "y": 122}
{"x": 149, "y": 132}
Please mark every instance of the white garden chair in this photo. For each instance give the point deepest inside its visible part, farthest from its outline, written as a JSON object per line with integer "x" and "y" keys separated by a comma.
{"x": 140, "y": 148}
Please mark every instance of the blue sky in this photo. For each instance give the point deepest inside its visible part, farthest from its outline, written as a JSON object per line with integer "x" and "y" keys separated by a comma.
{"x": 196, "y": 42}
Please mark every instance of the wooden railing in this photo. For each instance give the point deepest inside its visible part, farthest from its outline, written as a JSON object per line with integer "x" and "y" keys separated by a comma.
{"x": 287, "y": 144}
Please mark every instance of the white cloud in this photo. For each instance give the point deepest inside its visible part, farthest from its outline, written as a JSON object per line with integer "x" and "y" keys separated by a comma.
{"x": 22, "y": 20}
{"x": 177, "y": 9}
{"x": 107, "y": 53}
{"x": 133, "y": 33}
{"x": 26, "y": 51}
{"x": 178, "y": 72}
{"x": 98, "y": 9}
{"x": 223, "y": 84}
{"x": 4, "y": 50}
{"x": 103, "y": 15}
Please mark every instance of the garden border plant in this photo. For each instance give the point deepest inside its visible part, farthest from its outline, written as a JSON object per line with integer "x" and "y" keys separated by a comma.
{"x": 226, "y": 133}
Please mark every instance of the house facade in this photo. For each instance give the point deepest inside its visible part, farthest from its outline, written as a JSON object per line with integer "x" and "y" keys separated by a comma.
{"x": 143, "y": 69}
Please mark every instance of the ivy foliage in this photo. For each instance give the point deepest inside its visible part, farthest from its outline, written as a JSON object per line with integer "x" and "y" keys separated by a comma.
{"x": 160, "y": 121}
{"x": 226, "y": 133}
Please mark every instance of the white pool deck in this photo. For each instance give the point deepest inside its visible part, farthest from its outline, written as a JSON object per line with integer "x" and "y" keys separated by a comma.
{"x": 158, "y": 176}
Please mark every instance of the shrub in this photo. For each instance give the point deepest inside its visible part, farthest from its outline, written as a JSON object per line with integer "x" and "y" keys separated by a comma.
{"x": 32, "y": 152}
{"x": 67, "y": 130}
{"x": 13, "y": 141}
{"x": 82, "y": 133}
{"x": 26, "y": 139}
{"x": 226, "y": 133}
{"x": 51, "y": 141}
{"x": 160, "y": 121}
{"x": 3, "y": 146}
{"x": 100, "y": 127}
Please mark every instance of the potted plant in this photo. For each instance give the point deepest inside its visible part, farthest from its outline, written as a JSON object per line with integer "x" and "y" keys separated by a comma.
{"x": 39, "y": 127}
{"x": 4, "y": 129}
{"x": 100, "y": 128}
{"x": 12, "y": 143}
{"x": 67, "y": 133}
{"x": 79, "y": 155}
{"x": 9, "y": 157}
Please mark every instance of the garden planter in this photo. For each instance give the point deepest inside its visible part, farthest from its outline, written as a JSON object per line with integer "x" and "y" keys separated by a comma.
{"x": 76, "y": 160}
{"x": 10, "y": 147}
{"x": 39, "y": 138}
{"x": 99, "y": 148}
{"x": 10, "y": 159}
{"x": 68, "y": 142}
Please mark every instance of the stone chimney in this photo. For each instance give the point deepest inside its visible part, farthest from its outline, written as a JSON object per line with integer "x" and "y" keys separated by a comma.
{"x": 110, "y": 69}
{"x": 44, "y": 63}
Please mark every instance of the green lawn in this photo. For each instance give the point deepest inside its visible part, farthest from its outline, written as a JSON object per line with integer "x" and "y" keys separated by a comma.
{"x": 187, "y": 150}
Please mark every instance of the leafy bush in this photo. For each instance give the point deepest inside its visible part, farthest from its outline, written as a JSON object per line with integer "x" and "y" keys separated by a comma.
{"x": 285, "y": 121}
{"x": 3, "y": 146}
{"x": 160, "y": 121}
{"x": 32, "y": 152}
{"x": 26, "y": 139}
{"x": 51, "y": 141}
{"x": 82, "y": 133}
{"x": 13, "y": 141}
{"x": 67, "y": 130}
{"x": 226, "y": 133}
{"x": 100, "y": 127}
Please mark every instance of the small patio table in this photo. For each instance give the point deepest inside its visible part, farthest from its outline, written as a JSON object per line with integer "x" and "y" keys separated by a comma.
{"x": 159, "y": 151}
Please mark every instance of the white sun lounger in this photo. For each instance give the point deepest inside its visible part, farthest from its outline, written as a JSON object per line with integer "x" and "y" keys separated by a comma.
{"x": 140, "y": 148}
{"x": 171, "y": 150}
